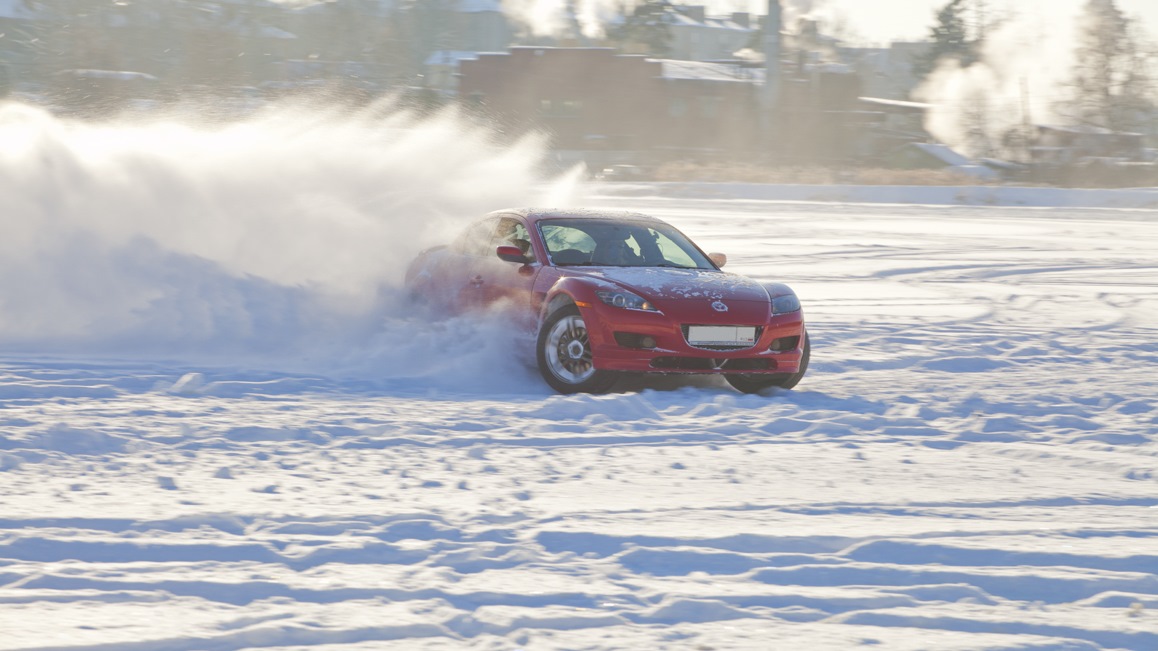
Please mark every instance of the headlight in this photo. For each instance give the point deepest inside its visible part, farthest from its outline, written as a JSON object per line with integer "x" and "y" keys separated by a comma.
{"x": 626, "y": 300}
{"x": 785, "y": 304}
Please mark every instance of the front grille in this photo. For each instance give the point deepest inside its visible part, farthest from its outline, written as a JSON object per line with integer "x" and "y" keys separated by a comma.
{"x": 684, "y": 328}
{"x": 683, "y": 363}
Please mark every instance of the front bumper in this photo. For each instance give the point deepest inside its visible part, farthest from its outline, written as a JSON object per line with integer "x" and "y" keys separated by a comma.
{"x": 673, "y": 354}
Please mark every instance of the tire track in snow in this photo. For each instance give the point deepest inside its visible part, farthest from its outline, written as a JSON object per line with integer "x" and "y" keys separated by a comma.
{"x": 943, "y": 478}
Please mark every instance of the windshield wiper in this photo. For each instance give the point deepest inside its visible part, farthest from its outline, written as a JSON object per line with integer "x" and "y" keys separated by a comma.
{"x": 672, "y": 265}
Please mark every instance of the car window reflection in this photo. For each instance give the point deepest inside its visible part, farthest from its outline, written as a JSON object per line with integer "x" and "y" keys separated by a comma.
{"x": 579, "y": 242}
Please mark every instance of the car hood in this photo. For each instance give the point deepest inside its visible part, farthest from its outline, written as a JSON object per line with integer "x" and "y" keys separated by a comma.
{"x": 664, "y": 284}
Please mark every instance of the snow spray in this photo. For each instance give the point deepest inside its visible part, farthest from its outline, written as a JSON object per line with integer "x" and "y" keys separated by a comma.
{"x": 285, "y": 234}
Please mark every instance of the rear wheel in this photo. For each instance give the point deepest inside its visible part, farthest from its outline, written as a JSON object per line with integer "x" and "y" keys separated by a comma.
{"x": 755, "y": 383}
{"x": 565, "y": 357}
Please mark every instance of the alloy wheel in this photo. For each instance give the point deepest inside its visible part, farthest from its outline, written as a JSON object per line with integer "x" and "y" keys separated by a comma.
{"x": 568, "y": 350}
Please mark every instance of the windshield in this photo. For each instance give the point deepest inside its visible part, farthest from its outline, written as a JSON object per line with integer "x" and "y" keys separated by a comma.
{"x": 606, "y": 243}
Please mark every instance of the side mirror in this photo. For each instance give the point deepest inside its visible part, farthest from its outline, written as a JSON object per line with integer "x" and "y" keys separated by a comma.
{"x": 512, "y": 254}
{"x": 719, "y": 259}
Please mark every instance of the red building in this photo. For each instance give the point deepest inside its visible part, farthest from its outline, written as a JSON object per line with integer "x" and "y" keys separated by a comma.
{"x": 594, "y": 99}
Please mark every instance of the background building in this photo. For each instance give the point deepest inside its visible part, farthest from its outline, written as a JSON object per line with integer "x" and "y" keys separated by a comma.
{"x": 600, "y": 105}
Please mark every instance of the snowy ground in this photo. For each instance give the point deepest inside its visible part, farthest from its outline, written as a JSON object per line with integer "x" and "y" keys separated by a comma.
{"x": 983, "y": 195}
{"x": 971, "y": 464}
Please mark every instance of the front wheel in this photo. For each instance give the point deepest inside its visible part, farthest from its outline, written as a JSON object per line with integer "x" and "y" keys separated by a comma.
{"x": 754, "y": 383}
{"x": 564, "y": 353}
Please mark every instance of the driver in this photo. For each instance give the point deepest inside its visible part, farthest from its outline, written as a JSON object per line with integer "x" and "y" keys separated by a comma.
{"x": 514, "y": 234}
{"x": 616, "y": 251}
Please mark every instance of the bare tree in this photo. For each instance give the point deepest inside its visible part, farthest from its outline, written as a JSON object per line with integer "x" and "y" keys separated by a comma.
{"x": 1113, "y": 83}
{"x": 976, "y": 119}
{"x": 647, "y": 29}
{"x": 427, "y": 26}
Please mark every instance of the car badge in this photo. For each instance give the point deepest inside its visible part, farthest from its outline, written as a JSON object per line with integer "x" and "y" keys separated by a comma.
{"x": 719, "y": 306}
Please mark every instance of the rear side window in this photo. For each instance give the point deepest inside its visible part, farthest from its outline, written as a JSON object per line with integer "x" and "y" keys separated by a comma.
{"x": 476, "y": 239}
{"x": 512, "y": 232}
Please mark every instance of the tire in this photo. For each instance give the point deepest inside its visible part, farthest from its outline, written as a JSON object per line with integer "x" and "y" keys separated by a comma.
{"x": 564, "y": 355}
{"x": 754, "y": 383}
{"x": 417, "y": 294}
{"x": 417, "y": 283}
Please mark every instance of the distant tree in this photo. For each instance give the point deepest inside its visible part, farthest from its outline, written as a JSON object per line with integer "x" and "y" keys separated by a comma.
{"x": 647, "y": 27}
{"x": 397, "y": 49}
{"x": 976, "y": 114}
{"x": 1113, "y": 83}
{"x": 950, "y": 39}
{"x": 982, "y": 23}
{"x": 425, "y": 27}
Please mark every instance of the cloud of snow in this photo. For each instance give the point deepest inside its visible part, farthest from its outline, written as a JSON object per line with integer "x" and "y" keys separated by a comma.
{"x": 1021, "y": 75}
{"x": 286, "y": 232}
{"x": 796, "y": 10}
{"x": 591, "y": 17}
{"x": 557, "y": 17}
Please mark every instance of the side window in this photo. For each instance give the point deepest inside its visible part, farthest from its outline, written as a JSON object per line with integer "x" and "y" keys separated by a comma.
{"x": 476, "y": 238}
{"x": 512, "y": 232}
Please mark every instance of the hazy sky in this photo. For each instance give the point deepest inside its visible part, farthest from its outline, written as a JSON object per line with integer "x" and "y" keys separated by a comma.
{"x": 887, "y": 20}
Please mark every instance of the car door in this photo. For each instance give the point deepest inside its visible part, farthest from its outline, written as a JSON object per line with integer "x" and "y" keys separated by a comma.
{"x": 500, "y": 280}
{"x": 463, "y": 266}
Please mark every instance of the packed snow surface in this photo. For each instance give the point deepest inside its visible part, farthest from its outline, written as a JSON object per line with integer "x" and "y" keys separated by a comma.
{"x": 972, "y": 462}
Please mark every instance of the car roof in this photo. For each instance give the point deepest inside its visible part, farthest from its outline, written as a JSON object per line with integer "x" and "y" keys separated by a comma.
{"x": 543, "y": 214}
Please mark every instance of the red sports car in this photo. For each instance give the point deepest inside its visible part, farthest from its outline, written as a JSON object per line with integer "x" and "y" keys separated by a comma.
{"x": 618, "y": 292}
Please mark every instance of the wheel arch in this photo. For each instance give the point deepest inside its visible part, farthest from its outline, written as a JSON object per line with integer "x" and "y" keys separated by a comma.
{"x": 554, "y": 302}
{"x": 566, "y": 370}
{"x": 567, "y": 291}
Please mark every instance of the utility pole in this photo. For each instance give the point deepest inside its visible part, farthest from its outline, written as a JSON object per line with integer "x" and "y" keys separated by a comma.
{"x": 770, "y": 98}
{"x": 772, "y": 53}
{"x": 1026, "y": 119}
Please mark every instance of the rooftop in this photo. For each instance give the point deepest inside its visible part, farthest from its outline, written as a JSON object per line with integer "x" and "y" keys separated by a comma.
{"x": 705, "y": 71}
{"x": 579, "y": 213}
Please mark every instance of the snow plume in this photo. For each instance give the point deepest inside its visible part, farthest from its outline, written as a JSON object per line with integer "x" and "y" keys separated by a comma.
{"x": 285, "y": 232}
{"x": 1020, "y": 77}
{"x": 797, "y": 10}
{"x": 561, "y": 17}
{"x": 558, "y": 17}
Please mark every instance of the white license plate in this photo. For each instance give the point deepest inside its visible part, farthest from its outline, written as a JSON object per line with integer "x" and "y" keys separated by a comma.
{"x": 722, "y": 335}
